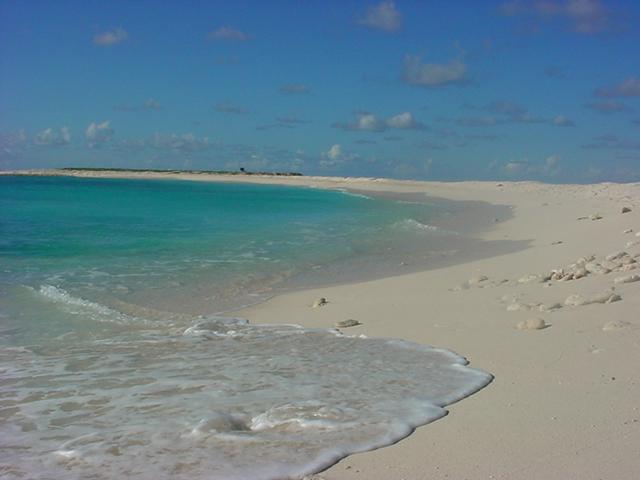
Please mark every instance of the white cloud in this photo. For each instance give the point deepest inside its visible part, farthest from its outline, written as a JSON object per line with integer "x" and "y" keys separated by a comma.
{"x": 405, "y": 121}
{"x": 563, "y": 121}
{"x": 227, "y": 33}
{"x": 364, "y": 122}
{"x": 627, "y": 88}
{"x": 185, "y": 143}
{"x": 98, "y": 133}
{"x": 111, "y": 37}
{"x": 336, "y": 156}
{"x": 584, "y": 16}
{"x": 368, "y": 122}
{"x": 11, "y": 144}
{"x": 608, "y": 106}
{"x": 383, "y": 16}
{"x": 49, "y": 136}
{"x": 226, "y": 107}
{"x": 433, "y": 74}
{"x": 550, "y": 167}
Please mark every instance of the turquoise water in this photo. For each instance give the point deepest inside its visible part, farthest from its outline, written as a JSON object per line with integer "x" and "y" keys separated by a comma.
{"x": 112, "y": 352}
{"x": 206, "y": 246}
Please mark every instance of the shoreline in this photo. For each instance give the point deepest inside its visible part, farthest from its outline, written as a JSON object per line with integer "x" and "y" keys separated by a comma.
{"x": 563, "y": 403}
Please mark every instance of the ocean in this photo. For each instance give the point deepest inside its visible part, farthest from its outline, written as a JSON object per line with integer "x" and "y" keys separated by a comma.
{"x": 117, "y": 360}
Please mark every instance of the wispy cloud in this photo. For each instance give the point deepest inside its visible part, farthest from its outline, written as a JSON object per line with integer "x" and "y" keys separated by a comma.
{"x": 405, "y": 121}
{"x": 612, "y": 141}
{"x": 50, "y": 136}
{"x": 608, "y": 106}
{"x": 228, "y": 34}
{"x": 364, "y": 122}
{"x": 185, "y": 143}
{"x": 627, "y": 88}
{"x": 110, "y": 37}
{"x": 368, "y": 122}
{"x": 433, "y": 74}
{"x": 227, "y": 107}
{"x": 583, "y": 16}
{"x": 563, "y": 121}
{"x": 505, "y": 112}
{"x": 294, "y": 88}
{"x": 384, "y": 16}
{"x": 291, "y": 120}
{"x": 98, "y": 134}
{"x": 149, "y": 104}
{"x": 550, "y": 167}
{"x": 336, "y": 156}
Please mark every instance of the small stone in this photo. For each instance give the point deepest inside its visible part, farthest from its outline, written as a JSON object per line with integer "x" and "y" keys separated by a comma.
{"x": 575, "y": 300}
{"x": 557, "y": 242}
{"x": 614, "y": 298}
{"x": 532, "y": 324}
{"x": 593, "y": 267}
{"x": 579, "y": 273}
{"x": 616, "y": 255}
{"x": 626, "y": 209}
{"x": 615, "y": 325}
{"x": 595, "y": 216}
{"x": 628, "y": 230}
{"x": 529, "y": 278}
{"x": 347, "y": 323}
{"x": 627, "y": 279}
{"x": 478, "y": 279}
{"x": 551, "y": 307}
{"x": 320, "y": 302}
{"x": 610, "y": 265}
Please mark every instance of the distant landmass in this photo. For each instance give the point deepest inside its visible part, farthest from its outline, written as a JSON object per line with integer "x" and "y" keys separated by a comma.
{"x": 242, "y": 171}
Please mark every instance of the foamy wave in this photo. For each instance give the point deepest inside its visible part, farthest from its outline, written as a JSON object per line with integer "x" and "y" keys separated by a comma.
{"x": 217, "y": 327}
{"x": 413, "y": 225}
{"x": 80, "y": 306}
{"x": 276, "y": 402}
{"x": 354, "y": 194}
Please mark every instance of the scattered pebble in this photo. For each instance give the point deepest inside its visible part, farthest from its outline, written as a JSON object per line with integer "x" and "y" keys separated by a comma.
{"x": 529, "y": 278}
{"x": 615, "y": 325}
{"x": 557, "y": 242}
{"x": 532, "y": 324}
{"x": 626, "y": 209}
{"x": 550, "y": 308}
{"x": 320, "y": 302}
{"x": 577, "y": 299}
{"x": 478, "y": 279}
{"x": 627, "y": 278}
{"x": 616, "y": 255}
{"x": 347, "y": 323}
{"x": 628, "y": 230}
{"x": 595, "y": 216}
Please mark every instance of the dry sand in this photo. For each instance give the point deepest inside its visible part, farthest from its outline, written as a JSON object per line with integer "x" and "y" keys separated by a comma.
{"x": 565, "y": 402}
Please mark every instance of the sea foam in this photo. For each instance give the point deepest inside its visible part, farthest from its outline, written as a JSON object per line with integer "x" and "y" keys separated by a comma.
{"x": 220, "y": 399}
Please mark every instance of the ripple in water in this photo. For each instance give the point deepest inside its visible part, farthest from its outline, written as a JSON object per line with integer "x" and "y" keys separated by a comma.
{"x": 222, "y": 399}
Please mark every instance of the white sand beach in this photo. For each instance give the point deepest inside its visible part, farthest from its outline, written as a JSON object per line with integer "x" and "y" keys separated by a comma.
{"x": 565, "y": 401}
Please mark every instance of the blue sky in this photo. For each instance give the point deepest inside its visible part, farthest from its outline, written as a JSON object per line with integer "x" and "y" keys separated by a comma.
{"x": 545, "y": 90}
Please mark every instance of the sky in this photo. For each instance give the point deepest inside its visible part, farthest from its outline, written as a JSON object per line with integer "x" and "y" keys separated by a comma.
{"x": 447, "y": 90}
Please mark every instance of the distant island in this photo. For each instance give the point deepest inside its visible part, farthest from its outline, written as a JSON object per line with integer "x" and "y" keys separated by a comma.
{"x": 241, "y": 171}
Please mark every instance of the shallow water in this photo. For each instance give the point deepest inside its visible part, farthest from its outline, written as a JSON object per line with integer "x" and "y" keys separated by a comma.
{"x": 113, "y": 365}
